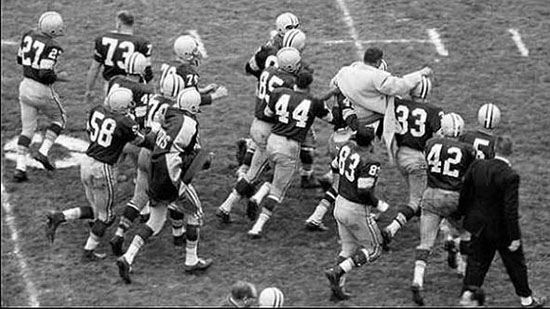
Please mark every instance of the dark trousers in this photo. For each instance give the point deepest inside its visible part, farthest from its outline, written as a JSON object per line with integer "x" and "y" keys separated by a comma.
{"x": 482, "y": 255}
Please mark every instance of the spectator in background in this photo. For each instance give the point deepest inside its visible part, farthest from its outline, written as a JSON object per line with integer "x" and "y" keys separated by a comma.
{"x": 489, "y": 202}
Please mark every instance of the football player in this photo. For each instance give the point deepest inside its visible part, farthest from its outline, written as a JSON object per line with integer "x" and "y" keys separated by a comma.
{"x": 177, "y": 147}
{"x": 289, "y": 60}
{"x": 448, "y": 159}
{"x": 157, "y": 106}
{"x": 188, "y": 61}
{"x": 38, "y": 55}
{"x": 419, "y": 121}
{"x": 112, "y": 49}
{"x": 359, "y": 234}
{"x": 294, "y": 111}
{"x": 271, "y": 297}
{"x": 109, "y": 129}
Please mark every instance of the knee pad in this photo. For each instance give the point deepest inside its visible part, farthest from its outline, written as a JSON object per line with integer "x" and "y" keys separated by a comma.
{"x": 306, "y": 155}
{"x": 465, "y": 247}
{"x": 56, "y": 128}
{"x": 270, "y": 204}
{"x": 192, "y": 232}
{"x": 99, "y": 228}
{"x": 24, "y": 141}
{"x": 422, "y": 255}
{"x": 244, "y": 188}
{"x": 144, "y": 232}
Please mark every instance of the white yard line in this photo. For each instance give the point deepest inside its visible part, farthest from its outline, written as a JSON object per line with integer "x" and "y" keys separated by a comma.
{"x": 436, "y": 40}
{"x": 20, "y": 257}
{"x": 9, "y": 43}
{"x": 351, "y": 28}
{"x": 519, "y": 42}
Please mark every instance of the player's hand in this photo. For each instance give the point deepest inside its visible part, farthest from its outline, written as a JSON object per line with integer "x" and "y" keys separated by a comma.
{"x": 220, "y": 92}
{"x": 514, "y": 245}
{"x": 426, "y": 71}
{"x": 210, "y": 87}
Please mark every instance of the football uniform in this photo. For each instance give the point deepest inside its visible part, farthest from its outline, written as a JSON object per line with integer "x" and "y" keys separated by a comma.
{"x": 108, "y": 133}
{"x": 190, "y": 77}
{"x": 141, "y": 94}
{"x": 294, "y": 112}
{"x": 112, "y": 48}
{"x": 38, "y": 55}
{"x": 419, "y": 122}
{"x": 482, "y": 141}
{"x": 358, "y": 177}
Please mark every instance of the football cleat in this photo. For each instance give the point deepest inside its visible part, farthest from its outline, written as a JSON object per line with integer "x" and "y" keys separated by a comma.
{"x": 124, "y": 269}
{"x": 20, "y": 176}
{"x": 199, "y": 266}
{"x": 223, "y": 215}
{"x": 44, "y": 160}
{"x": 54, "y": 219}
{"x": 386, "y": 239}
{"x": 536, "y": 303}
{"x": 91, "y": 256}
{"x": 254, "y": 234}
{"x": 252, "y": 209}
{"x": 336, "y": 284}
{"x": 316, "y": 226}
{"x": 451, "y": 249}
{"x": 416, "y": 295}
{"x": 116, "y": 245}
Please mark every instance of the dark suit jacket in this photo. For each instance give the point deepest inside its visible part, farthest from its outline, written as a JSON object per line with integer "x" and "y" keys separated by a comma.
{"x": 489, "y": 201}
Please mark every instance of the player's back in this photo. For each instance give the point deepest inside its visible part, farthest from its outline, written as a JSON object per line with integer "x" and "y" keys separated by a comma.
{"x": 295, "y": 112}
{"x": 187, "y": 71}
{"x": 179, "y": 133}
{"x": 38, "y": 52}
{"x": 419, "y": 122}
{"x": 482, "y": 141}
{"x": 354, "y": 169}
{"x": 108, "y": 132}
{"x": 270, "y": 79}
{"x": 448, "y": 159}
{"x": 112, "y": 49}
{"x": 140, "y": 92}
{"x": 265, "y": 56}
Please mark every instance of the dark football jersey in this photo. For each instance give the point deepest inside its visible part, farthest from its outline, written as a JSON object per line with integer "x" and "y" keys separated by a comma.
{"x": 419, "y": 122}
{"x": 112, "y": 48}
{"x": 108, "y": 133}
{"x": 294, "y": 112}
{"x": 141, "y": 94}
{"x": 448, "y": 159}
{"x": 270, "y": 79}
{"x": 483, "y": 143}
{"x": 38, "y": 54}
{"x": 189, "y": 74}
{"x": 157, "y": 107}
{"x": 265, "y": 56}
{"x": 358, "y": 175}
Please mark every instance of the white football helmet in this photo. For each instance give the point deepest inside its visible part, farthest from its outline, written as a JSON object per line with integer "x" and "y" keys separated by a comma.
{"x": 51, "y": 23}
{"x": 171, "y": 85}
{"x": 187, "y": 49}
{"x": 452, "y": 125}
{"x": 271, "y": 297}
{"x": 135, "y": 64}
{"x": 488, "y": 116}
{"x": 189, "y": 99}
{"x": 120, "y": 99}
{"x": 423, "y": 89}
{"x": 289, "y": 59}
{"x": 295, "y": 38}
{"x": 286, "y": 21}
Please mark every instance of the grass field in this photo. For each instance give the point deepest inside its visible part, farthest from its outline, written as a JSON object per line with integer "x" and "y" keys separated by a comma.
{"x": 483, "y": 65}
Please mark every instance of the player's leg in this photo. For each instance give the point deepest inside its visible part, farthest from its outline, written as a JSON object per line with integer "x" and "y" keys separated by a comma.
{"x": 284, "y": 155}
{"x": 29, "y": 122}
{"x": 176, "y": 216}
{"x": 56, "y": 113}
{"x": 153, "y": 226}
{"x": 104, "y": 197}
{"x": 245, "y": 150}
{"x": 307, "y": 158}
{"x": 139, "y": 200}
{"x": 412, "y": 165}
{"x": 315, "y": 220}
